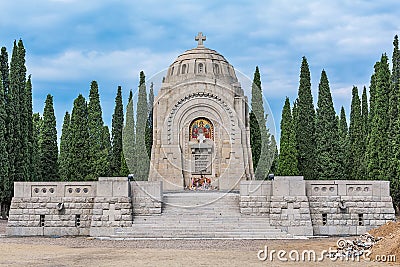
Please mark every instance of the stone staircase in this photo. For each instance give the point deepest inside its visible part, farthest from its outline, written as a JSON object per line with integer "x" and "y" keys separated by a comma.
{"x": 207, "y": 215}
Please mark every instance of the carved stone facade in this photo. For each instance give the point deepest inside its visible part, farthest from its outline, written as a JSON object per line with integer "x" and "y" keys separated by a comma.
{"x": 201, "y": 86}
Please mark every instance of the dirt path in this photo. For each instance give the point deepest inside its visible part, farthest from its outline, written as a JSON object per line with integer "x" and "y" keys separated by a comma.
{"x": 81, "y": 251}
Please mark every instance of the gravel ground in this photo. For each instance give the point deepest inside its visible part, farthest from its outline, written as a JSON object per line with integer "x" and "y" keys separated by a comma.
{"x": 84, "y": 251}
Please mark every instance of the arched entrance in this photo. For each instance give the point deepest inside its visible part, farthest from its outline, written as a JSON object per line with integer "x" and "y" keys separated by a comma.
{"x": 201, "y": 136}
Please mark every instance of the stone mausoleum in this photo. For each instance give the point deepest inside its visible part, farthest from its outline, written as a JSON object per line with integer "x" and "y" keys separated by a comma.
{"x": 201, "y": 123}
{"x": 200, "y": 140}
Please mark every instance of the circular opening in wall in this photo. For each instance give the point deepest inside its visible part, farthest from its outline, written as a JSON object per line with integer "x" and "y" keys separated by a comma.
{"x": 323, "y": 189}
{"x": 358, "y": 189}
{"x": 70, "y": 190}
{"x": 78, "y": 190}
{"x": 366, "y": 189}
{"x": 351, "y": 189}
{"x": 51, "y": 190}
{"x": 44, "y": 190}
{"x": 331, "y": 189}
{"x": 85, "y": 190}
{"x": 316, "y": 189}
{"x": 36, "y": 190}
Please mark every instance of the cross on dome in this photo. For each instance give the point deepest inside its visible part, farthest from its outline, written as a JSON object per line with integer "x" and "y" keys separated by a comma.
{"x": 200, "y": 38}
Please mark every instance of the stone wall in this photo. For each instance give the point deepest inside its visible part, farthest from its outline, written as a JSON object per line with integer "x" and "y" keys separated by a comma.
{"x": 80, "y": 208}
{"x": 51, "y": 208}
{"x": 146, "y": 197}
{"x": 344, "y": 207}
{"x": 338, "y": 207}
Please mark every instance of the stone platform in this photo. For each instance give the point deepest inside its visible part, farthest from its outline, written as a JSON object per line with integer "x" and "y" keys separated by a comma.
{"x": 113, "y": 207}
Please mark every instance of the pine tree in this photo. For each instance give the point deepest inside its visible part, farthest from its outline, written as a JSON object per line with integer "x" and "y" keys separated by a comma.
{"x": 117, "y": 125}
{"x": 98, "y": 152}
{"x": 3, "y": 148}
{"x": 260, "y": 140}
{"x": 343, "y": 168}
{"x": 142, "y": 159}
{"x": 65, "y": 143}
{"x": 37, "y": 123}
{"x": 378, "y": 149}
{"x": 287, "y": 165}
{"x": 79, "y": 145}
{"x": 356, "y": 137}
{"x": 305, "y": 125}
{"x": 326, "y": 133}
{"x": 49, "y": 148}
{"x": 129, "y": 138}
{"x": 149, "y": 126}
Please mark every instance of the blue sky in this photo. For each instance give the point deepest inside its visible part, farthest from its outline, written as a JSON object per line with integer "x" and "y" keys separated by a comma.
{"x": 69, "y": 43}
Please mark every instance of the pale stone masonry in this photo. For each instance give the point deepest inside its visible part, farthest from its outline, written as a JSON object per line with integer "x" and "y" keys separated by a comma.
{"x": 114, "y": 206}
{"x": 329, "y": 207}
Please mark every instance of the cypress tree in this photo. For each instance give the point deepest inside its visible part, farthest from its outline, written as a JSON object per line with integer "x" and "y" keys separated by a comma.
{"x": 365, "y": 131}
{"x": 326, "y": 133}
{"x": 149, "y": 126}
{"x": 79, "y": 145}
{"x": 28, "y": 128}
{"x": 65, "y": 143}
{"x": 260, "y": 140}
{"x": 287, "y": 165}
{"x": 394, "y": 125}
{"x": 13, "y": 126}
{"x": 107, "y": 145}
{"x": 356, "y": 137}
{"x": 117, "y": 125}
{"x": 275, "y": 162}
{"x": 378, "y": 149}
{"x": 37, "y": 124}
{"x": 3, "y": 149}
{"x": 98, "y": 152}
{"x": 142, "y": 160}
{"x": 129, "y": 138}
{"x": 305, "y": 125}
{"x": 5, "y": 72}
{"x": 343, "y": 146}
{"x": 49, "y": 148}
{"x": 364, "y": 115}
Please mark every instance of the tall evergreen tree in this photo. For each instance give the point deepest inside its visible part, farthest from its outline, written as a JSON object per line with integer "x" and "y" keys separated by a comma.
{"x": 37, "y": 123}
{"x": 149, "y": 127}
{"x": 275, "y": 162}
{"x": 107, "y": 145}
{"x": 378, "y": 149}
{"x": 27, "y": 123}
{"x": 49, "y": 148}
{"x": 394, "y": 125}
{"x": 326, "y": 133}
{"x": 343, "y": 168}
{"x": 78, "y": 139}
{"x": 356, "y": 137}
{"x": 65, "y": 143}
{"x": 129, "y": 137}
{"x": 3, "y": 150}
{"x": 142, "y": 159}
{"x": 4, "y": 70}
{"x": 260, "y": 140}
{"x": 365, "y": 130}
{"x": 287, "y": 165}
{"x": 305, "y": 125}
{"x": 117, "y": 125}
{"x": 99, "y": 165}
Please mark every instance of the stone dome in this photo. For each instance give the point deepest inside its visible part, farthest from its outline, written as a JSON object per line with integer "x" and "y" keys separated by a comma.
{"x": 200, "y": 63}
